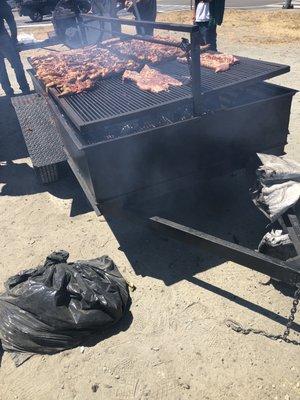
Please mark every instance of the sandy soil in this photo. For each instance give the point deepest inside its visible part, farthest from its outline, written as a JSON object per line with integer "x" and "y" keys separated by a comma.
{"x": 173, "y": 344}
{"x": 238, "y": 26}
{"x": 258, "y": 27}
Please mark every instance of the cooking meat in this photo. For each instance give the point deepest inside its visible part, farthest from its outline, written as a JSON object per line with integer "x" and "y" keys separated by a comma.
{"x": 216, "y": 61}
{"x": 74, "y": 71}
{"x": 151, "y": 80}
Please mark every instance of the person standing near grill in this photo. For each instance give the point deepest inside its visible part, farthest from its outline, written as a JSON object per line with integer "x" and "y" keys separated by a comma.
{"x": 147, "y": 10}
{"x": 8, "y": 50}
{"x": 207, "y": 15}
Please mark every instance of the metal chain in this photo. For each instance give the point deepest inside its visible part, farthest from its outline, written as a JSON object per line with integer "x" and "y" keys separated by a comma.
{"x": 239, "y": 328}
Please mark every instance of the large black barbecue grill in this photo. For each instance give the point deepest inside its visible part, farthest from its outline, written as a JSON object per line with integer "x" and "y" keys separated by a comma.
{"x": 125, "y": 145}
{"x": 168, "y": 136}
{"x": 113, "y": 101}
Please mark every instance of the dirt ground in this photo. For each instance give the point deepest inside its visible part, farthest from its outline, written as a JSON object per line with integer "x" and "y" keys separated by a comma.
{"x": 173, "y": 344}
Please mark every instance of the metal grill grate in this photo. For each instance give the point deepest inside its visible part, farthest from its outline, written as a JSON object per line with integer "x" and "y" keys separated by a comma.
{"x": 246, "y": 71}
{"x": 114, "y": 101}
{"x": 113, "y": 97}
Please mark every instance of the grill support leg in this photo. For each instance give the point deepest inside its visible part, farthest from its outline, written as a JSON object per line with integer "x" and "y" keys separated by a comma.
{"x": 48, "y": 174}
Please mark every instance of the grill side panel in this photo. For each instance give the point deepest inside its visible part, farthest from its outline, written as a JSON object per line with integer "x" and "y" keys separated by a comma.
{"x": 133, "y": 163}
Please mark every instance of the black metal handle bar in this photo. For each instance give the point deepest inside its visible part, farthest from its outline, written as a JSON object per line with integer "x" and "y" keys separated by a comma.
{"x": 155, "y": 25}
{"x": 273, "y": 267}
{"x": 137, "y": 37}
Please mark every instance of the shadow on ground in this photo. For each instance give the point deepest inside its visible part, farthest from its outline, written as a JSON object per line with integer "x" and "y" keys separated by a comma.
{"x": 221, "y": 207}
{"x": 18, "y": 178}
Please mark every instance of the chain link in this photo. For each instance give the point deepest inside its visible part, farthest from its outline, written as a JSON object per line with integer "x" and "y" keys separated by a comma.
{"x": 239, "y": 328}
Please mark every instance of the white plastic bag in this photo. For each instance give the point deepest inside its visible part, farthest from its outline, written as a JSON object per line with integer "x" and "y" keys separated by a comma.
{"x": 279, "y": 185}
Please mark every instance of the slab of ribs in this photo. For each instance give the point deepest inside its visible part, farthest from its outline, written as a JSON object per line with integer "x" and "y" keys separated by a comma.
{"x": 75, "y": 71}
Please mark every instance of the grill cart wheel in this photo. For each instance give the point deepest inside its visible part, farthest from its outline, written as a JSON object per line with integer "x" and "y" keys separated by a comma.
{"x": 287, "y": 4}
{"x": 48, "y": 174}
{"x": 69, "y": 27}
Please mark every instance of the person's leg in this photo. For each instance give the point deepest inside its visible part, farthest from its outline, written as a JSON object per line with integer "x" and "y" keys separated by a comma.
{"x": 203, "y": 33}
{"x": 212, "y": 37}
{"x": 12, "y": 55}
{"x": 140, "y": 30}
{"x": 16, "y": 64}
{"x": 149, "y": 31}
{"x": 151, "y": 17}
{"x": 116, "y": 26}
{"x": 4, "y": 78}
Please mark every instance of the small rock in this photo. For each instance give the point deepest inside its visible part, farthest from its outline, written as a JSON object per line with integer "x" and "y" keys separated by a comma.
{"x": 104, "y": 368}
{"x": 273, "y": 386}
{"x": 131, "y": 286}
{"x": 155, "y": 348}
{"x": 107, "y": 386}
{"x": 81, "y": 349}
{"x": 293, "y": 368}
{"x": 260, "y": 387}
{"x": 117, "y": 376}
{"x": 185, "y": 386}
{"x": 95, "y": 387}
{"x": 62, "y": 386}
{"x": 298, "y": 385}
{"x": 286, "y": 397}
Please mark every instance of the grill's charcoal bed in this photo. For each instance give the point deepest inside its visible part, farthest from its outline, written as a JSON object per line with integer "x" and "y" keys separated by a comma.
{"x": 112, "y": 100}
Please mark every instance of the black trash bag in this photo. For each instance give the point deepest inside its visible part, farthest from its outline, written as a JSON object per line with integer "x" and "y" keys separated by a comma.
{"x": 59, "y": 305}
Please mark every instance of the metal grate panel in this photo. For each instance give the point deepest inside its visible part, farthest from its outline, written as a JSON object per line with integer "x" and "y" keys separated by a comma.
{"x": 39, "y": 130}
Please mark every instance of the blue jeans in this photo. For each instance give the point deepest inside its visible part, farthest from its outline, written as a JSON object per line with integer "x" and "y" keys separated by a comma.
{"x": 9, "y": 51}
{"x": 208, "y": 34}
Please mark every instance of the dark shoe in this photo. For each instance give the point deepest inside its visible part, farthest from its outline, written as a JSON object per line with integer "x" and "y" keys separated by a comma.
{"x": 9, "y": 93}
{"x": 26, "y": 90}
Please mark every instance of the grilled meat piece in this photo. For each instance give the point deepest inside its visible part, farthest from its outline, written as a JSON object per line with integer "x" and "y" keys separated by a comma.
{"x": 216, "y": 61}
{"x": 151, "y": 80}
